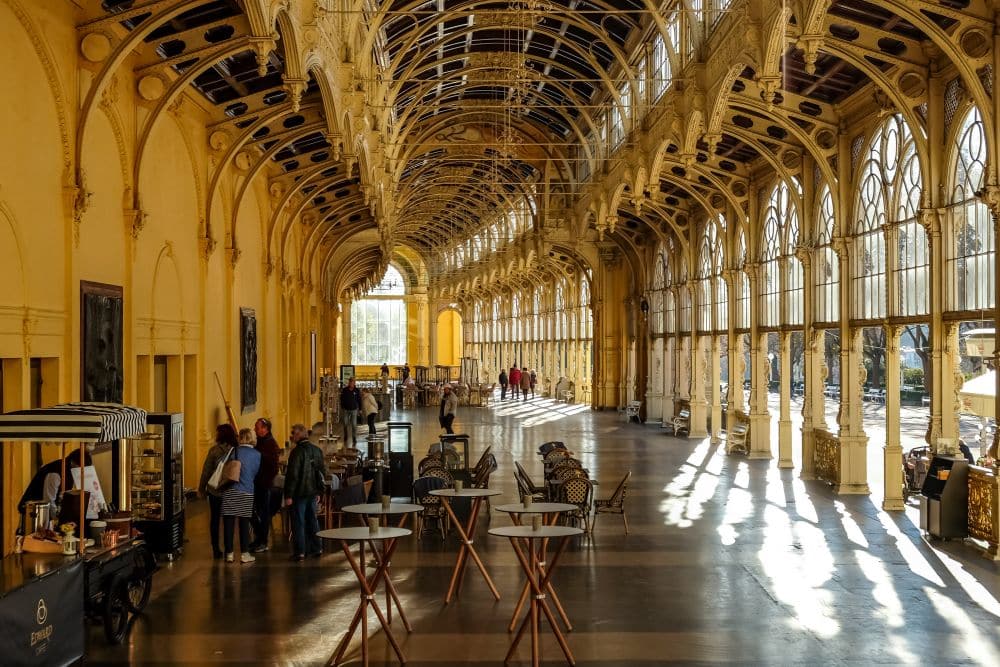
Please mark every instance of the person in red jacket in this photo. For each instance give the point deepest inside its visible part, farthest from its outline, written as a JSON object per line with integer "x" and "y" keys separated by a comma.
{"x": 514, "y": 376}
{"x": 267, "y": 498}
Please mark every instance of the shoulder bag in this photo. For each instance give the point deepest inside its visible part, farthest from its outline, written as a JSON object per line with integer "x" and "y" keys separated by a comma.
{"x": 231, "y": 471}
{"x": 215, "y": 482}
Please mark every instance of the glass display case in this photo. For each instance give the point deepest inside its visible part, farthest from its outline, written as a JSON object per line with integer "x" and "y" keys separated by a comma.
{"x": 147, "y": 477}
{"x": 155, "y": 491}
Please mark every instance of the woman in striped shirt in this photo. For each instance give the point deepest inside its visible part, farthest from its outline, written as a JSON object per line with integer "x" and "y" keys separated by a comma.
{"x": 237, "y": 499}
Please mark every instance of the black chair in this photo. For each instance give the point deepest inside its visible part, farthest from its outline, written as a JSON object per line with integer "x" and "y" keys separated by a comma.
{"x": 422, "y": 487}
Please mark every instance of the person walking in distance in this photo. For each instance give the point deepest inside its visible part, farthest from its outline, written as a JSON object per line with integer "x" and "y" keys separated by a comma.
{"x": 267, "y": 498}
{"x": 304, "y": 481}
{"x": 369, "y": 408}
{"x": 449, "y": 404}
{"x": 503, "y": 384}
{"x": 350, "y": 403}
{"x": 515, "y": 382}
{"x": 533, "y": 380}
{"x": 525, "y": 383}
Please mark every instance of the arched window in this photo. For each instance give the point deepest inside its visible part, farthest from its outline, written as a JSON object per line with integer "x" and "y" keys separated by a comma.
{"x": 683, "y": 299}
{"x": 669, "y": 294}
{"x": 826, "y": 262}
{"x": 378, "y": 323}
{"x": 971, "y": 270}
{"x": 781, "y": 287}
{"x": 742, "y": 284}
{"x": 720, "y": 293}
{"x": 889, "y": 193}
{"x": 559, "y": 310}
{"x": 705, "y": 272}
{"x": 656, "y": 297}
{"x": 515, "y": 317}
{"x": 586, "y": 317}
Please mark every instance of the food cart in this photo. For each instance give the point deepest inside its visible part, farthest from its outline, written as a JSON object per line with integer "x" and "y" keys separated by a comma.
{"x": 46, "y": 594}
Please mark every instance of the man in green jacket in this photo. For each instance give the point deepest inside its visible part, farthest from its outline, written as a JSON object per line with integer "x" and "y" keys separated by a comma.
{"x": 304, "y": 482}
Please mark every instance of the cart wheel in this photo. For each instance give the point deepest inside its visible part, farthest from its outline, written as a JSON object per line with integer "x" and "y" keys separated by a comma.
{"x": 137, "y": 590}
{"x": 116, "y": 612}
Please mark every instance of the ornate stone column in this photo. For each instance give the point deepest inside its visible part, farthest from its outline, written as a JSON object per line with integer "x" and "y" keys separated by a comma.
{"x": 853, "y": 441}
{"x": 715, "y": 357}
{"x": 951, "y": 383}
{"x": 991, "y": 197}
{"x": 669, "y": 377}
{"x": 760, "y": 373}
{"x": 892, "y": 450}
{"x": 785, "y": 416}
{"x": 699, "y": 367}
{"x": 814, "y": 401}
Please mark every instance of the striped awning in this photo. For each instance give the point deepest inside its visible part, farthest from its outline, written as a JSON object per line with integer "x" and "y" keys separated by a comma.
{"x": 73, "y": 422}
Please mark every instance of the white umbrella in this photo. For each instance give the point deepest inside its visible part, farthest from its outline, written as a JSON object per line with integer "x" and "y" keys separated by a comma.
{"x": 979, "y": 395}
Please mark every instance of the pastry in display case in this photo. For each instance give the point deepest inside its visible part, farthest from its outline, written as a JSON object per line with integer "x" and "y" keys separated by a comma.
{"x": 155, "y": 465}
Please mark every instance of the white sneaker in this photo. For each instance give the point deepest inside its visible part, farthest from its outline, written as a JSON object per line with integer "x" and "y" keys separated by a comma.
{"x": 229, "y": 557}
{"x": 247, "y": 558}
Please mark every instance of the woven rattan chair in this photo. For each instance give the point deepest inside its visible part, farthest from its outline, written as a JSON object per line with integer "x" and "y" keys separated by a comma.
{"x": 566, "y": 463}
{"x": 615, "y": 504}
{"x": 556, "y": 454}
{"x": 428, "y": 462}
{"x": 577, "y": 491}
{"x": 547, "y": 447}
{"x": 449, "y": 480}
{"x": 433, "y": 511}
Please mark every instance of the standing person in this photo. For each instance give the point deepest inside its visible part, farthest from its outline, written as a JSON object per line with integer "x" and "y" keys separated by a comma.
{"x": 266, "y": 497}
{"x": 384, "y": 371}
{"x": 525, "y": 383}
{"x": 303, "y": 483}
{"x": 350, "y": 403}
{"x": 369, "y": 408}
{"x": 449, "y": 404}
{"x": 503, "y": 384}
{"x": 406, "y": 373}
{"x": 237, "y": 499}
{"x": 515, "y": 382}
{"x": 225, "y": 442}
{"x": 533, "y": 379}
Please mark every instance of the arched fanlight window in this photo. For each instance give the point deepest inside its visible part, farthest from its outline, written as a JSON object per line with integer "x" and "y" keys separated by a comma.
{"x": 742, "y": 283}
{"x": 781, "y": 273}
{"x": 826, "y": 262}
{"x": 378, "y": 323}
{"x": 970, "y": 262}
{"x": 656, "y": 288}
{"x": 705, "y": 272}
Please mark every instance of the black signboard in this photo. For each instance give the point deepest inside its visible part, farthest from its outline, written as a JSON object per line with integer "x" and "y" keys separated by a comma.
{"x": 42, "y": 619}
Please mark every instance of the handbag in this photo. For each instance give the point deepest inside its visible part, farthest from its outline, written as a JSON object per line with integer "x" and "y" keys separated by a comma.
{"x": 231, "y": 471}
{"x": 215, "y": 481}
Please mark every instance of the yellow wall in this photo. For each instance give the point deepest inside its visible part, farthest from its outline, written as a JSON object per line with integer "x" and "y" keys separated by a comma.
{"x": 449, "y": 338}
{"x": 182, "y": 296}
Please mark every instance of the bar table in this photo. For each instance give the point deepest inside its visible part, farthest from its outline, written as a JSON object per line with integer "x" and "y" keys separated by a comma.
{"x": 388, "y": 537}
{"x": 466, "y": 533}
{"x": 538, "y": 582}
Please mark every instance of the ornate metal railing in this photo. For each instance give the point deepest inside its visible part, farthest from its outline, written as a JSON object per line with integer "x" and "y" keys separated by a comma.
{"x": 984, "y": 511}
{"x": 826, "y": 456}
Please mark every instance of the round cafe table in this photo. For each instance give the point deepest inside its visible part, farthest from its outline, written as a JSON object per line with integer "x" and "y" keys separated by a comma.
{"x": 465, "y": 533}
{"x": 550, "y": 514}
{"x": 404, "y": 510}
{"x": 537, "y": 581}
{"x": 388, "y": 537}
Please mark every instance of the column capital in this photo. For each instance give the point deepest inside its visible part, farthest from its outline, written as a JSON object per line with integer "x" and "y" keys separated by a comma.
{"x": 990, "y": 195}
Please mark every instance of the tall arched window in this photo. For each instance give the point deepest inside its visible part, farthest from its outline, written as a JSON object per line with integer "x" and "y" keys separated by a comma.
{"x": 889, "y": 193}
{"x": 826, "y": 262}
{"x": 378, "y": 323}
{"x": 781, "y": 287}
{"x": 586, "y": 317}
{"x": 515, "y": 317}
{"x": 656, "y": 297}
{"x": 970, "y": 261}
{"x": 743, "y": 284}
{"x": 705, "y": 272}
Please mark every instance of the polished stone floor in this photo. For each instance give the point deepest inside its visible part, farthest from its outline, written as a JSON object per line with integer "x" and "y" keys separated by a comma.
{"x": 728, "y": 560}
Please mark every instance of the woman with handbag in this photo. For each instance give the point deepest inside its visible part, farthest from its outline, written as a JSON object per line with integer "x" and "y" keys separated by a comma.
{"x": 237, "y": 499}
{"x": 225, "y": 442}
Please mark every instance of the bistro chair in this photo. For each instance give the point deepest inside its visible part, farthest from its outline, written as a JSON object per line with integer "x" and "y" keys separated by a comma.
{"x": 353, "y": 493}
{"x": 428, "y": 462}
{"x": 566, "y": 463}
{"x": 433, "y": 511}
{"x": 483, "y": 460}
{"x": 525, "y": 486}
{"x": 615, "y": 504}
{"x": 553, "y": 456}
{"x": 547, "y": 447}
{"x": 449, "y": 480}
{"x": 577, "y": 491}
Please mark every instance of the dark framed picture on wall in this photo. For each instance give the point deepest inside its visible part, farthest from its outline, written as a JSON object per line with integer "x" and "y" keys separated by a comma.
{"x": 248, "y": 359}
{"x": 102, "y": 378}
{"x": 313, "y": 371}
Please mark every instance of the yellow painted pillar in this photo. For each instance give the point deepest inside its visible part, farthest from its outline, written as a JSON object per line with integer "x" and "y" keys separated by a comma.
{"x": 715, "y": 357}
{"x": 785, "y": 416}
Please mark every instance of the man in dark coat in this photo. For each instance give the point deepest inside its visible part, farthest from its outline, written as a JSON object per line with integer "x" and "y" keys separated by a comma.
{"x": 303, "y": 484}
{"x": 503, "y": 384}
